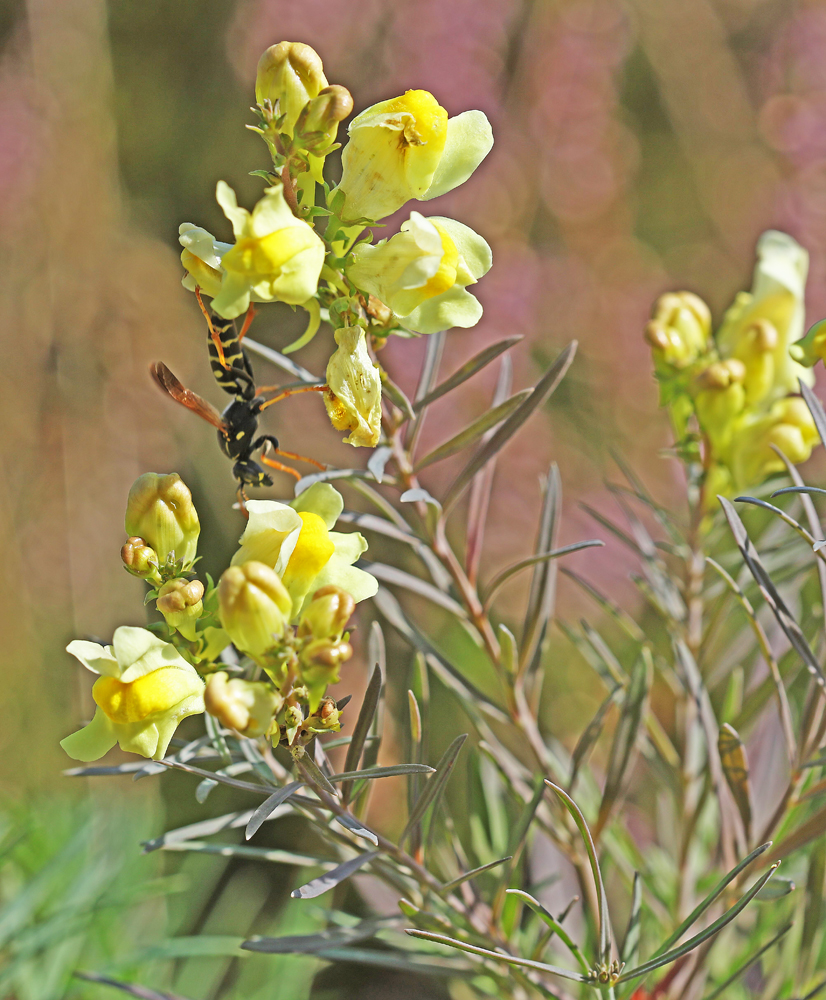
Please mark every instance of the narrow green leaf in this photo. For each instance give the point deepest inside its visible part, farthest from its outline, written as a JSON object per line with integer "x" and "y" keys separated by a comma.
{"x": 390, "y": 771}
{"x": 775, "y": 602}
{"x": 807, "y": 536}
{"x": 415, "y": 584}
{"x": 701, "y": 907}
{"x": 776, "y": 889}
{"x": 506, "y": 574}
{"x": 736, "y": 769}
{"x": 582, "y": 826}
{"x": 622, "y": 618}
{"x": 133, "y": 989}
{"x": 474, "y": 430}
{"x": 524, "y": 963}
{"x": 270, "y": 805}
{"x": 309, "y": 944}
{"x": 314, "y": 773}
{"x": 276, "y": 856}
{"x": 397, "y": 395}
{"x": 332, "y": 878}
{"x": 362, "y": 727}
{"x": 246, "y": 786}
{"x": 542, "y": 595}
{"x": 546, "y": 385}
{"x": 470, "y": 368}
{"x": 554, "y": 924}
{"x": 593, "y": 730}
{"x": 631, "y": 941}
{"x": 355, "y": 827}
{"x": 631, "y": 721}
{"x": 433, "y": 789}
{"x": 704, "y": 935}
{"x": 400, "y": 961}
{"x": 467, "y": 876}
{"x": 815, "y": 408}
{"x": 811, "y": 829}
{"x": 718, "y": 991}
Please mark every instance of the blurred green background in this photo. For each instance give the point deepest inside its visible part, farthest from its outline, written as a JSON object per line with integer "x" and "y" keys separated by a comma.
{"x": 641, "y": 145}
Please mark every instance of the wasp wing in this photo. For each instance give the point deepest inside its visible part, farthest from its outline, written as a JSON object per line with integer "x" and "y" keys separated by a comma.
{"x": 186, "y": 397}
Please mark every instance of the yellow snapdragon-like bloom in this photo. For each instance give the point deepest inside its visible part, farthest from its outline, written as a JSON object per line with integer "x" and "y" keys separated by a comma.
{"x": 353, "y": 396}
{"x": 408, "y": 148}
{"x": 144, "y": 690}
{"x": 275, "y": 257}
{"x": 788, "y": 425}
{"x": 773, "y": 312}
{"x": 422, "y": 272}
{"x": 296, "y": 541}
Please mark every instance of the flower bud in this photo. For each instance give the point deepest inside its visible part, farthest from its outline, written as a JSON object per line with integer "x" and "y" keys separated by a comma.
{"x": 140, "y": 559}
{"x": 254, "y": 607}
{"x": 289, "y": 75}
{"x": 246, "y": 706}
{"x": 353, "y": 399}
{"x": 788, "y": 426}
{"x": 324, "y": 654}
{"x": 328, "y": 714}
{"x": 160, "y": 511}
{"x": 719, "y": 400}
{"x": 680, "y": 329}
{"x": 327, "y": 613}
{"x": 318, "y": 122}
{"x": 181, "y": 603}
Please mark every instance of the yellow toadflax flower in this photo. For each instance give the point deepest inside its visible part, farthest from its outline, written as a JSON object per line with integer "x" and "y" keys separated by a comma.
{"x": 296, "y": 541}
{"x": 761, "y": 325}
{"x": 408, "y": 148}
{"x": 422, "y": 272}
{"x": 275, "y": 257}
{"x": 144, "y": 690}
{"x": 788, "y": 425}
{"x": 353, "y": 399}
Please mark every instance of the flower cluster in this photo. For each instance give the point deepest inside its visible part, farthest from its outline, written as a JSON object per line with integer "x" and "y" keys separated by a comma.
{"x": 284, "y": 603}
{"x": 415, "y": 282}
{"x": 732, "y": 396}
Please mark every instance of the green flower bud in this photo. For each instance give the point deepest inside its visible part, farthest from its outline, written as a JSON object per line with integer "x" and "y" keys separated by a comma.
{"x": 140, "y": 559}
{"x": 254, "y": 607}
{"x": 289, "y": 75}
{"x": 328, "y": 715}
{"x": 246, "y": 706}
{"x": 181, "y": 603}
{"x": 160, "y": 511}
{"x": 327, "y": 613}
{"x": 719, "y": 400}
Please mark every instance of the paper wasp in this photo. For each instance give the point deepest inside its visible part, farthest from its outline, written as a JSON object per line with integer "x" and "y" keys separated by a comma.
{"x": 237, "y": 426}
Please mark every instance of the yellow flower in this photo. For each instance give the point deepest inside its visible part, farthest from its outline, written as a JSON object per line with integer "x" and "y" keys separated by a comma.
{"x": 145, "y": 689}
{"x": 275, "y": 257}
{"x": 246, "y": 706}
{"x": 719, "y": 399}
{"x": 254, "y": 607}
{"x": 296, "y": 541}
{"x": 201, "y": 257}
{"x": 788, "y": 425}
{"x": 289, "y": 75}
{"x": 160, "y": 511}
{"x": 408, "y": 148}
{"x": 776, "y": 306}
{"x": 353, "y": 399}
{"x": 422, "y": 272}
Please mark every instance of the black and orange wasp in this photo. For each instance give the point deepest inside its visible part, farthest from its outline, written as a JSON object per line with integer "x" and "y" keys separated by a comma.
{"x": 237, "y": 426}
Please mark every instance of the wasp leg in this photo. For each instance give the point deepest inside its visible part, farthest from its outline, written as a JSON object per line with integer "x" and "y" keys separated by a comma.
{"x": 247, "y": 322}
{"x": 219, "y": 347}
{"x": 288, "y": 392}
{"x": 271, "y": 462}
{"x": 266, "y": 439}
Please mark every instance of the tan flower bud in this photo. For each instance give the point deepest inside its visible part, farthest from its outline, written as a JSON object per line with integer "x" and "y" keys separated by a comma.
{"x": 160, "y": 511}
{"x": 140, "y": 559}
{"x": 680, "y": 329}
{"x": 254, "y": 607}
{"x": 319, "y": 121}
{"x": 180, "y": 601}
{"x": 246, "y": 706}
